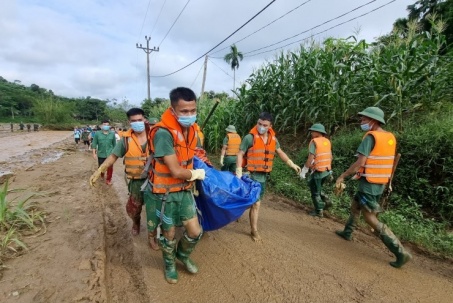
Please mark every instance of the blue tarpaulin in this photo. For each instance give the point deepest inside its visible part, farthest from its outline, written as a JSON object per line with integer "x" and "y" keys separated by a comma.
{"x": 223, "y": 197}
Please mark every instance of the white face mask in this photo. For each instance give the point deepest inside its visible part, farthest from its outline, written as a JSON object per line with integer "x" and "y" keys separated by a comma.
{"x": 366, "y": 127}
{"x": 262, "y": 130}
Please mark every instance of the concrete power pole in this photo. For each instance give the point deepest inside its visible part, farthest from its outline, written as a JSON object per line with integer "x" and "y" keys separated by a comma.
{"x": 204, "y": 75}
{"x": 148, "y": 51}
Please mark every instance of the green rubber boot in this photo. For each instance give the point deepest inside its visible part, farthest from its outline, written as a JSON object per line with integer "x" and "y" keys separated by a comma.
{"x": 326, "y": 200}
{"x": 319, "y": 206}
{"x": 185, "y": 247}
{"x": 168, "y": 252}
{"x": 394, "y": 245}
{"x": 348, "y": 228}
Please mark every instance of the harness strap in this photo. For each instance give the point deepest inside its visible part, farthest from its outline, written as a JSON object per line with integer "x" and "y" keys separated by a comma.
{"x": 162, "y": 210}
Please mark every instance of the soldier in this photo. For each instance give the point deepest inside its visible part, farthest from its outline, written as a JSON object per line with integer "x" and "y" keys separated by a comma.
{"x": 12, "y": 127}
{"x": 28, "y": 127}
{"x": 319, "y": 162}
{"x": 103, "y": 144}
{"x": 230, "y": 148}
{"x": 259, "y": 147}
{"x": 35, "y": 127}
{"x": 169, "y": 199}
{"x": 134, "y": 148}
{"x": 21, "y": 125}
{"x": 372, "y": 169}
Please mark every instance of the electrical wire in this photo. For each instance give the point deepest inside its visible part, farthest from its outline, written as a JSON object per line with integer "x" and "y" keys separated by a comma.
{"x": 221, "y": 69}
{"x": 332, "y": 27}
{"x": 174, "y": 22}
{"x": 314, "y": 27}
{"x": 201, "y": 67}
{"x": 269, "y": 4}
{"x": 263, "y": 27}
{"x": 158, "y": 16}
{"x": 144, "y": 19}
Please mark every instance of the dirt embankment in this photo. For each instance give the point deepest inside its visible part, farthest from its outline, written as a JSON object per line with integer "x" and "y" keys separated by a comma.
{"x": 88, "y": 254}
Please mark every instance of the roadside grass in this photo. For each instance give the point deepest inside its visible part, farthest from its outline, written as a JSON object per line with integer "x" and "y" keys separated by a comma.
{"x": 19, "y": 217}
{"x": 404, "y": 216}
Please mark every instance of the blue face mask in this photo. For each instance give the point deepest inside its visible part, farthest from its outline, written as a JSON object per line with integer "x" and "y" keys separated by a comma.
{"x": 105, "y": 127}
{"x": 187, "y": 121}
{"x": 138, "y": 126}
{"x": 365, "y": 127}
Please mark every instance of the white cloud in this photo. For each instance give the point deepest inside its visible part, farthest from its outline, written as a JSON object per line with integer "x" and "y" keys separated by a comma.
{"x": 87, "y": 47}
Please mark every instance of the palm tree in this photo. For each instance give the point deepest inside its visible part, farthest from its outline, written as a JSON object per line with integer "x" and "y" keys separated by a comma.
{"x": 233, "y": 58}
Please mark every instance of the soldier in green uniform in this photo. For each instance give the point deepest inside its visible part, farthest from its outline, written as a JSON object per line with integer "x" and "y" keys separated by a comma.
{"x": 375, "y": 156}
{"x": 230, "y": 148}
{"x": 103, "y": 143}
{"x": 319, "y": 162}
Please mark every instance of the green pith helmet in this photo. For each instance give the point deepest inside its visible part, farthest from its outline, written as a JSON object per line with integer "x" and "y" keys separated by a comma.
{"x": 153, "y": 121}
{"x": 374, "y": 113}
{"x": 231, "y": 129}
{"x": 318, "y": 127}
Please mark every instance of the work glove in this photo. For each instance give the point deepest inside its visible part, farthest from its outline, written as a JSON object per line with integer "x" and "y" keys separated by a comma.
{"x": 221, "y": 160}
{"x": 97, "y": 174}
{"x": 293, "y": 166}
{"x": 339, "y": 188}
{"x": 304, "y": 172}
{"x": 239, "y": 172}
{"x": 197, "y": 174}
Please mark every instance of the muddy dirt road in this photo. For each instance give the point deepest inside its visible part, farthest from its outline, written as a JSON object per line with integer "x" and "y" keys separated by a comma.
{"x": 89, "y": 255}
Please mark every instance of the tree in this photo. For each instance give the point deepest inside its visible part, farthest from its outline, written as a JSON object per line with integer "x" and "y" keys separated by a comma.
{"x": 233, "y": 58}
{"x": 147, "y": 105}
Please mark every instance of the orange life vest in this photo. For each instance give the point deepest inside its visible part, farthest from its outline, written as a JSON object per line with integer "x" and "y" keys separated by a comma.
{"x": 323, "y": 154}
{"x": 159, "y": 175}
{"x": 200, "y": 141}
{"x": 234, "y": 142}
{"x": 379, "y": 164}
{"x": 135, "y": 158}
{"x": 260, "y": 156}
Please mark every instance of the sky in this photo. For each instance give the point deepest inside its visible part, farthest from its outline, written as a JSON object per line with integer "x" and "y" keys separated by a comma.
{"x": 88, "y": 47}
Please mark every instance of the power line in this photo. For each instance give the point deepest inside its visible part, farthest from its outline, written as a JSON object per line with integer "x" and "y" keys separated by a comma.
{"x": 144, "y": 19}
{"x": 219, "y": 42}
{"x": 263, "y": 27}
{"x": 158, "y": 16}
{"x": 174, "y": 22}
{"x": 221, "y": 69}
{"x": 305, "y": 31}
{"x": 332, "y": 27}
{"x": 201, "y": 67}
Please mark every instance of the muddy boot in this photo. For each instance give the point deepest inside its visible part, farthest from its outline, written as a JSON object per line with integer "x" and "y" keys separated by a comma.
{"x": 168, "y": 253}
{"x": 348, "y": 229}
{"x": 319, "y": 206}
{"x": 326, "y": 200}
{"x": 185, "y": 248}
{"x": 394, "y": 245}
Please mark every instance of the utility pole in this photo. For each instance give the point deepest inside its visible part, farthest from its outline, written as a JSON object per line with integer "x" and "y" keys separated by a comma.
{"x": 148, "y": 51}
{"x": 204, "y": 75}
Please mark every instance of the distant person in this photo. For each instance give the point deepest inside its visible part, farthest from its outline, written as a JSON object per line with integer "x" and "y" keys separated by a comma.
{"x": 21, "y": 125}
{"x": 86, "y": 138}
{"x": 103, "y": 143}
{"x": 35, "y": 127}
{"x": 28, "y": 127}
{"x": 76, "y": 135}
{"x": 319, "y": 163}
{"x": 230, "y": 148}
{"x": 12, "y": 127}
{"x": 117, "y": 137}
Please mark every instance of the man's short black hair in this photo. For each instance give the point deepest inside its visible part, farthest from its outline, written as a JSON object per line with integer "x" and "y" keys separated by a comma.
{"x": 105, "y": 121}
{"x": 266, "y": 116}
{"x": 135, "y": 111}
{"x": 183, "y": 93}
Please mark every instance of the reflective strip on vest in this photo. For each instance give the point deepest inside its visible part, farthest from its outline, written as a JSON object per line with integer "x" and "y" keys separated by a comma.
{"x": 323, "y": 154}
{"x": 379, "y": 164}
{"x": 234, "y": 142}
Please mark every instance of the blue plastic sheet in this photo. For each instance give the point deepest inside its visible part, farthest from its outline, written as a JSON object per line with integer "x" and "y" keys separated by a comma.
{"x": 223, "y": 197}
